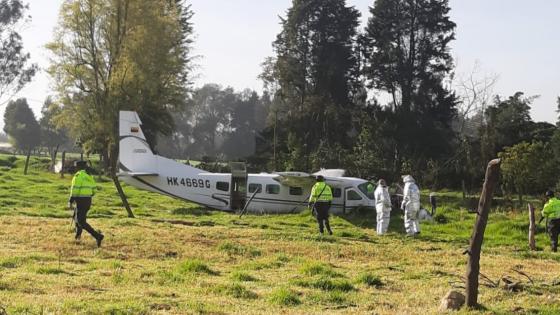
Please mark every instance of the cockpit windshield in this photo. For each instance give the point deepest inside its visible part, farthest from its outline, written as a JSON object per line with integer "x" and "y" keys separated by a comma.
{"x": 368, "y": 189}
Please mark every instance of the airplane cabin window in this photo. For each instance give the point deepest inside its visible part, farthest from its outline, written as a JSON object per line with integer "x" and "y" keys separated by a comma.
{"x": 336, "y": 192}
{"x": 296, "y": 191}
{"x": 255, "y": 187}
{"x": 273, "y": 189}
{"x": 353, "y": 195}
{"x": 223, "y": 186}
{"x": 368, "y": 189}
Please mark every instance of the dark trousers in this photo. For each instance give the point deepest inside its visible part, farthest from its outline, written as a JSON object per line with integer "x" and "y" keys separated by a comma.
{"x": 83, "y": 204}
{"x": 322, "y": 209}
{"x": 553, "y": 231}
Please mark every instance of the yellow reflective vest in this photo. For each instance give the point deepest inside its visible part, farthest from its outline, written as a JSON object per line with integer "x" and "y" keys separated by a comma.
{"x": 551, "y": 209}
{"x": 320, "y": 192}
{"x": 83, "y": 185}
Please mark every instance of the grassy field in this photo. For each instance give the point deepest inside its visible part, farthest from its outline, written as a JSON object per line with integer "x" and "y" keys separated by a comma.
{"x": 216, "y": 263}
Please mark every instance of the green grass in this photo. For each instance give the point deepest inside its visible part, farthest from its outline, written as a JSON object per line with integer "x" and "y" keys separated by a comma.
{"x": 370, "y": 280}
{"x": 259, "y": 264}
{"x": 195, "y": 266}
{"x": 284, "y": 297}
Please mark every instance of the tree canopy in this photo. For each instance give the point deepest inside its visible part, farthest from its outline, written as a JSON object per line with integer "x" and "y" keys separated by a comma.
{"x": 111, "y": 55}
{"x": 15, "y": 70}
{"x": 21, "y": 126}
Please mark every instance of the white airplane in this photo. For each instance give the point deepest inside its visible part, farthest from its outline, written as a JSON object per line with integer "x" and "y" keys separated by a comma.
{"x": 284, "y": 192}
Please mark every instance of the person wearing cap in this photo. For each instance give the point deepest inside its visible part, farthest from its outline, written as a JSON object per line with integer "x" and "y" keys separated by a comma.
{"x": 551, "y": 211}
{"x": 321, "y": 198}
{"x": 81, "y": 193}
{"x": 382, "y": 207}
{"x": 411, "y": 205}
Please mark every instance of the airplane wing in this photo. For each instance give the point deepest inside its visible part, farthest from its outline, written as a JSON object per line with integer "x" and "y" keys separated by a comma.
{"x": 331, "y": 172}
{"x": 295, "y": 179}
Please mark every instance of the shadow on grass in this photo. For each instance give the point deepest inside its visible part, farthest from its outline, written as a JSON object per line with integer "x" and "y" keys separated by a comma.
{"x": 190, "y": 211}
{"x": 366, "y": 219}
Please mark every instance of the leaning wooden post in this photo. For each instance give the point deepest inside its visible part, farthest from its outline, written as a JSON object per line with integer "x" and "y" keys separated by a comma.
{"x": 532, "y": 228}
{"x": 473, "y": 265}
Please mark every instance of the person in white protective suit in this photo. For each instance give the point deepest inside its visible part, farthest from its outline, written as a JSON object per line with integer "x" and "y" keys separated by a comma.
{"x": 411, "y": 205}
{"x": 382, "y": 207}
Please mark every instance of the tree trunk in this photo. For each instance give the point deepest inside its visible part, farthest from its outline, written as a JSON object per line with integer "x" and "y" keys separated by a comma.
{"x": 473, "y": 265}
{"x": 53, "y": 157}
{"x": 27, "y": 162}
{"x": 63, "y": 163}
{"x": 532, "y": 228}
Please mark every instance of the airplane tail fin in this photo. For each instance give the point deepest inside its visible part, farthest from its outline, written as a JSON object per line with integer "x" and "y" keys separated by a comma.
{"x": 135, "y": 156}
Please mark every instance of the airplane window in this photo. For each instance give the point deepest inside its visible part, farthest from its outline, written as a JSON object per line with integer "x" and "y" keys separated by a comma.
{"x": 336, "y": 192}
{"x": 255, "y": 187}
{"x": 352, "y": 195}
{"x": 368, "y": 189}
{"x": 273, "y": 189}
{"x": 223, "y": 186}
{"x": 296, "y": 191}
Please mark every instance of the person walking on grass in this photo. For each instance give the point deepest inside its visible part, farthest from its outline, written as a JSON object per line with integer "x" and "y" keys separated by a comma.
{"x": 81, "y": 193}
{"x": 320, "y": 199}
{"x": 382, "y": 207}
{"x": 411, "y": 205}
{"x": 551, "y": 211}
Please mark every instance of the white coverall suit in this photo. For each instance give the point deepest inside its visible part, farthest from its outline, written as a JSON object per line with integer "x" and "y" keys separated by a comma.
{"x": 383, "y": 208}
{"x": 411, "y": 205}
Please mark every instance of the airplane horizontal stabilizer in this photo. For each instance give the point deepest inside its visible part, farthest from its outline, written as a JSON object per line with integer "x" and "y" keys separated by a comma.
{"x": 136, "y": 174}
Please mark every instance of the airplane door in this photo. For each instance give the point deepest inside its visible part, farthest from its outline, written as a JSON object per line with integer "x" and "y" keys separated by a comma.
{"x": 238, "y": 193}
{"x": 352, "y": 199}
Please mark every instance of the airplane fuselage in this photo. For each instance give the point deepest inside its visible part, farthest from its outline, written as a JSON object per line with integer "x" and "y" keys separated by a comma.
{"x": 258, "y": 193}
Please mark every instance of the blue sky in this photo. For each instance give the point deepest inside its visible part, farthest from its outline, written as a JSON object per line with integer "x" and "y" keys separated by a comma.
{"x": 515, "y": 39}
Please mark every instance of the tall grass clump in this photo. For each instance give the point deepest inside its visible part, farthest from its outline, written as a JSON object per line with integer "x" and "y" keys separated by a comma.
{"x": 370, "y": 280}
{"x": 284, "y": 297}
{"x": 195, "y": 266}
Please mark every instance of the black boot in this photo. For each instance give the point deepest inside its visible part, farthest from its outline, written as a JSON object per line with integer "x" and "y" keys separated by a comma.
{"x": 100, "y": 239}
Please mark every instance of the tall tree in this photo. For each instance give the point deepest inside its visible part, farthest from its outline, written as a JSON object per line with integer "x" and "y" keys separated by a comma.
{"x": 528, "y": 168}
{"x": 15, "y": 70}
{"x": 406, "y": 44}
{"x": 22, "y": 127}
{"x": 111, "y": 55}
{"x": 52, "y": 136}
{"x": 312, "y": 71}
{"x": 20, "y": 124}
{"x": 507, "y": 122}
{"x": 406, "y": 47}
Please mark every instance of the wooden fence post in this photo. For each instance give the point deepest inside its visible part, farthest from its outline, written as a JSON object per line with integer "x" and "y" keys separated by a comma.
{"x": 532, "y": 228}
{"x": 63, "y": 164}
{"x": 27, "y": 162}
{"x": 473, "y": 264}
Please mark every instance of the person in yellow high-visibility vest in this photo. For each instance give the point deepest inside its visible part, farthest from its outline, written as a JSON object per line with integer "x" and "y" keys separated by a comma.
{"x": 320, "y": 199}
{"x": 551, "y": 211}
{"x": 81, "y": 193}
